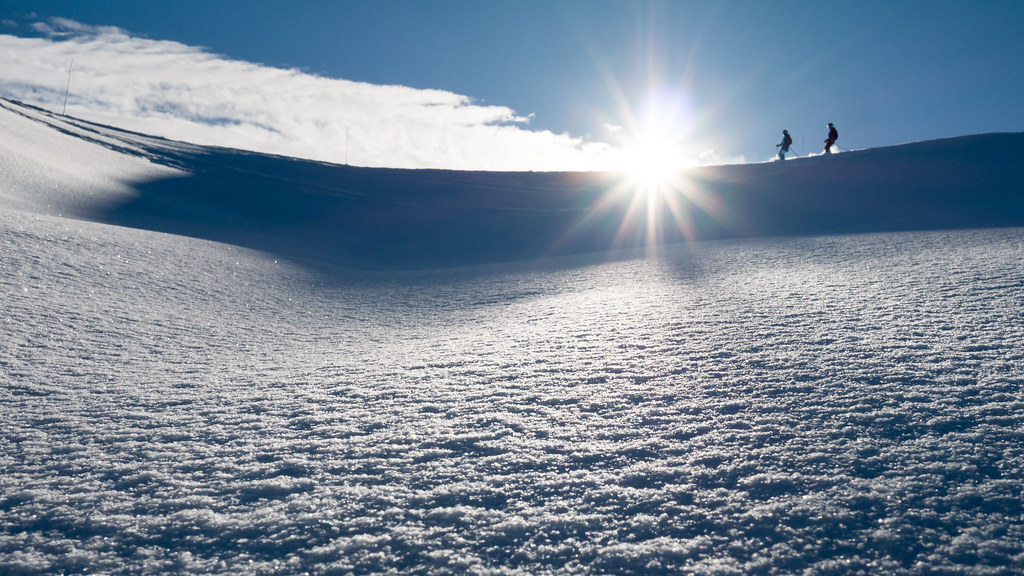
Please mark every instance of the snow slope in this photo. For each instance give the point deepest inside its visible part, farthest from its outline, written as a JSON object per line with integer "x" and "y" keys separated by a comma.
{"x": 314, "y": 212}
{"x": 196, "y": 377}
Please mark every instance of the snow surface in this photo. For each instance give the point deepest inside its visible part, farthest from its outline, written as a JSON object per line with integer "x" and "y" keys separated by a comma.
{"x": 194, "y": 383}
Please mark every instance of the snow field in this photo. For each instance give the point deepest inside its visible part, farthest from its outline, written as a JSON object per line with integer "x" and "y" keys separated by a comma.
{"x": 830, "y": 405}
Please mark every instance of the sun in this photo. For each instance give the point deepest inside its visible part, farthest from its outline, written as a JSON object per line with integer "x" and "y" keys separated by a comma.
{"x": 653, "y": 196}
{"x": 652, "y": 163}
{"x": 655, "y": 190}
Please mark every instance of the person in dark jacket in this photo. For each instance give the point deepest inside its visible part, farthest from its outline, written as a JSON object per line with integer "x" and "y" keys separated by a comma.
{"x": 783, "y": 146}
{"x": 833, "y": 135}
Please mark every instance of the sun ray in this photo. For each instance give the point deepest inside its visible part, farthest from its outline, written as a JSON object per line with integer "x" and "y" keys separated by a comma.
{"x": 654, "y": 197}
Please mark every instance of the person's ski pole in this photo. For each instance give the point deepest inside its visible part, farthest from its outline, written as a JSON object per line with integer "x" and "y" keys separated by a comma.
{"x": 788, "y": 152}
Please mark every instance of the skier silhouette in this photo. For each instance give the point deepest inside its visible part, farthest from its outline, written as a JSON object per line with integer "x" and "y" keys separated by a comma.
{"x": 833, "y": 135}
{"x": 783, "y": 146}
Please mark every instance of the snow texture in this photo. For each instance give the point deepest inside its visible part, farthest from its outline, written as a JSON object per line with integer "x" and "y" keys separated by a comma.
{"x": 189, "y": 387}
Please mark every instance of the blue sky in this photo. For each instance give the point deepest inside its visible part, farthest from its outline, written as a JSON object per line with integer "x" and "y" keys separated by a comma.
{"x": 715, "y": 81}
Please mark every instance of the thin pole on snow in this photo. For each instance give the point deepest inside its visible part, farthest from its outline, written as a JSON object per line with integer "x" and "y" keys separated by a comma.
{"x": 346, "y": 145}
{"x": 67, "y": 88}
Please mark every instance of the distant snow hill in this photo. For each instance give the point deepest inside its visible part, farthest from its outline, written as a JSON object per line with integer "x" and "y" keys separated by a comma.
{"x": 318, "y": 213}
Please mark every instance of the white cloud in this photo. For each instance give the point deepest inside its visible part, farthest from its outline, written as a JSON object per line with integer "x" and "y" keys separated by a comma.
{"x": 186, "y": 93}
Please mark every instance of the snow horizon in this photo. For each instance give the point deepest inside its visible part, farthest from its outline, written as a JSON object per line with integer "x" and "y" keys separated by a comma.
{"x": 376, "y": 217}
